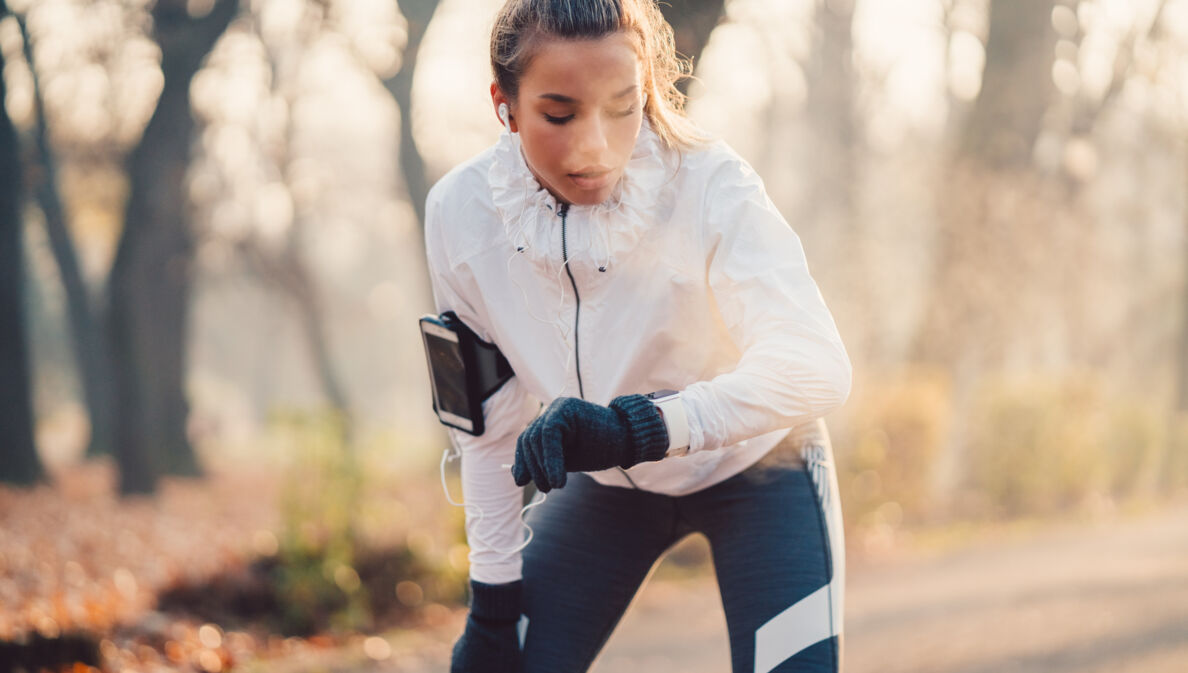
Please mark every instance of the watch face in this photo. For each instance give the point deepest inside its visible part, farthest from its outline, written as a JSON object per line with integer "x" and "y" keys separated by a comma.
{"x": 660, "y": 394}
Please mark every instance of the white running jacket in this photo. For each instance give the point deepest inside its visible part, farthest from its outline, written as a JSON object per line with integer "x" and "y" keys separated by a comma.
{"x": 686, "y": 278}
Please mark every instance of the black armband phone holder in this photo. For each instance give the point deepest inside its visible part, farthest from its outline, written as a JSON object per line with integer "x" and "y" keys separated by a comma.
{"x": 464, "y": 371}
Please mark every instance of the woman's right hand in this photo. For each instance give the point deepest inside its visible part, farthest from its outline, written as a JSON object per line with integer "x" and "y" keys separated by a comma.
{"x": 490, "y": 643}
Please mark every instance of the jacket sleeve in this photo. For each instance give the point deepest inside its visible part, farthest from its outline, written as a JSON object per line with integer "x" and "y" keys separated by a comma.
{"x": 793, "y": 367}
{"x": 490, "y": 494}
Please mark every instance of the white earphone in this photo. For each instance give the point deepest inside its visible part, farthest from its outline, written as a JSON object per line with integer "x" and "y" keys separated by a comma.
{"x": 451, "y": 454}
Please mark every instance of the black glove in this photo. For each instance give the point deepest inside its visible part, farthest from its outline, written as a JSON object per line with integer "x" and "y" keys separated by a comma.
{"x": 574, "y": 435}
{"x": 490, "y": 643}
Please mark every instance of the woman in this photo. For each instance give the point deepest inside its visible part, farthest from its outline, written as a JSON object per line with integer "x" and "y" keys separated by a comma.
{"x": 610, "y": 250}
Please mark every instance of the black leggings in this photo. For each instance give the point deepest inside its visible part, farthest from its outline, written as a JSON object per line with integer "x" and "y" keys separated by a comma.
{"x": 776, "y": 537}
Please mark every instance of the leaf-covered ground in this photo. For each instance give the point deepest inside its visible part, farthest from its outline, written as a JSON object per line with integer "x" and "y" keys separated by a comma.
{"x": 82, "y": 572}
{"x": 89, "y": 581}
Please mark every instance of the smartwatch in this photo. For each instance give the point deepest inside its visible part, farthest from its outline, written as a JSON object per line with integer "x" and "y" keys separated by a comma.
{"x": 672, "y": 410}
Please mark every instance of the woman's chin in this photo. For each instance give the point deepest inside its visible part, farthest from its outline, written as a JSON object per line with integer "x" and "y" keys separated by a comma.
{"x": 589, "y": 197}
{"x": 587, "y": 200}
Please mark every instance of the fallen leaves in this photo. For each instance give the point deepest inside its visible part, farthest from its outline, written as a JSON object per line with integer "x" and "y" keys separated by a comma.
{"x": 86, "y": 577}
{"x": 76, "y": 559}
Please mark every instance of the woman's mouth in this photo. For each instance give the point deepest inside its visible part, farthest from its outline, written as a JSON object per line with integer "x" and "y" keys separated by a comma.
{"x": 591, "y": 179}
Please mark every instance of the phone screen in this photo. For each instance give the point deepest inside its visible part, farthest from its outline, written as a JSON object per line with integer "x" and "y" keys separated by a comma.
{"x": 449, "y": 378}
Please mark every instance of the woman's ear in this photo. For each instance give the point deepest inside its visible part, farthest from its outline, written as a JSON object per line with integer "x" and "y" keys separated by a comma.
{"x": 502, "y": 108}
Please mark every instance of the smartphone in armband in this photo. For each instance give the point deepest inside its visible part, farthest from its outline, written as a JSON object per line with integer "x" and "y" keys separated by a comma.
{"x": 464, "y": 371}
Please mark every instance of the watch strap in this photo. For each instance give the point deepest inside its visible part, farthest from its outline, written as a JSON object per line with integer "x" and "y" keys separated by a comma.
{"x": 676, "y": 420}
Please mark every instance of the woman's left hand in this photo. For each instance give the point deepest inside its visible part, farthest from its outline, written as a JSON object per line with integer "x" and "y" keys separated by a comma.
{"x": 573, "y": 435}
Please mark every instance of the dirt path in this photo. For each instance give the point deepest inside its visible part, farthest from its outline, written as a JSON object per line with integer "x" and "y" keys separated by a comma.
{"x": 1074, "y": 599}
{"x": 1111, "y": 597}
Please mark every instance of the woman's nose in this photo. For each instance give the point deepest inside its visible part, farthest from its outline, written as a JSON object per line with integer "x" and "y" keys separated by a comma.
{"x": 592, "y": 140}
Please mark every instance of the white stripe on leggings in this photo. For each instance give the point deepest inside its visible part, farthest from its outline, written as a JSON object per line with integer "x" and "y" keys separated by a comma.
{"x": 819, "y": 615}
{"x": 805, "y": 623}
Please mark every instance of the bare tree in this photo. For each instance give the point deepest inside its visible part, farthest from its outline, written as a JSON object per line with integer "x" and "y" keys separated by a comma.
{"x": 285, "y": 268}
{"x": 91, "y": 351}
{"x": 831, "y": 112}
{"x": 1016, "y": 84}
{"x": 1181, "y": 401}
{"x": 1086, "y": 110}
{"x": 835, "y": 144}
{"x": 990, "y": 191}
{"x": 18, "y": 452}
{"x": 1174, "y": 459}
{"x": 999, "y": 213}
{"x": 150, "y": 278}
{"x": 418, "y": 14}
{"x": 692, "y": 22}
{"x": 994, "y": 220}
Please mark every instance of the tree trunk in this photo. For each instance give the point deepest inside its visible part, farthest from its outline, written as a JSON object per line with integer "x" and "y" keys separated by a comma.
{"x": 290, "y": 276}
{"x": 993, "y": 220}
{"x": 19, "y": 463}
{"x": 1181, "y": 400}
{"x": 692, "y": 22}
{"x": 418, "y": 14}
{"x": 150, "y": 278}
{"x": 91, "y": 351}
{"x": 831, "y": 112}
{"x": 990, "y": 194}
{"x": 1016, "y": 84}
{"x": 286, "y": 269}
{"x": 830, "y": 205}
{"x": 1174, "y": 467}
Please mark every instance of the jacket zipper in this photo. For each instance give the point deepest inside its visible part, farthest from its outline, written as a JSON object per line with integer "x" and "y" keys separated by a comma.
{"x": 577, "y": 312}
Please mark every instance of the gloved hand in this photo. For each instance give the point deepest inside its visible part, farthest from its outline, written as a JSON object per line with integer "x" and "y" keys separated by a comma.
{"x": 574, "y": 435}
{"x": 490, "y": 643}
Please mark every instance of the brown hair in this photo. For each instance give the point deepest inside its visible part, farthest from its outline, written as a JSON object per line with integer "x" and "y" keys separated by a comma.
{"x": 520, "y": 25}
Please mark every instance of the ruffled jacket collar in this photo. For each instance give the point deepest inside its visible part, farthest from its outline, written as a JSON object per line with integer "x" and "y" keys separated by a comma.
{"x": 596, "y": 236}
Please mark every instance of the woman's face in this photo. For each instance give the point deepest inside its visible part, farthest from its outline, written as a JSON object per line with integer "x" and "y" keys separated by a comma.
{"x": 578, "y": 114}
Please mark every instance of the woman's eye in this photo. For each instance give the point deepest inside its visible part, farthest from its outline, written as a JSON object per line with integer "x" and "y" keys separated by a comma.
{"x": 562, "y": 120}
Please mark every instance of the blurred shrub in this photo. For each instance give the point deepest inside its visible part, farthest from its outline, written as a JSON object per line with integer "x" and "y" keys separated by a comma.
{"x": 1037, "y": 446}
{"x": 1042, "y": 445}
{"x": 324, "y": 575}
{"x": 1034, "y": 446}
{"x": 319, "y": 500}
{"x": 899, "y": 424}
{"x": 1173, "y": 469}
{"x": 1135, "y": 441}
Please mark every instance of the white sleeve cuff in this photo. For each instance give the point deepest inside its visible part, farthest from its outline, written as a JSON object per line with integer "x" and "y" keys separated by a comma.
{"x": 497, "y": 573}
{"x": 676, "y": 422}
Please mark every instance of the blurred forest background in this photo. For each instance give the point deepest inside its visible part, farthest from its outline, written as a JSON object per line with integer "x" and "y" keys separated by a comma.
{"x": 211, "y": 265}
